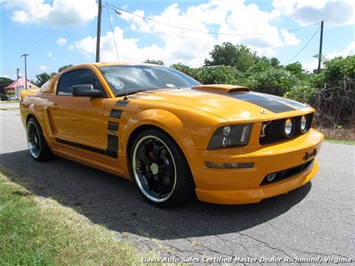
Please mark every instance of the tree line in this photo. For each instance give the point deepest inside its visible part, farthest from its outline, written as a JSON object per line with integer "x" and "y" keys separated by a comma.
{"x": 331, "y": 92}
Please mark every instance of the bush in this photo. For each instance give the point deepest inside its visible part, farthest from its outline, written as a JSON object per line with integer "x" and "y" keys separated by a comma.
{"x": 335, "y": 99}
{"x": 219, "y": 75}
{"x": 272, "y": 81}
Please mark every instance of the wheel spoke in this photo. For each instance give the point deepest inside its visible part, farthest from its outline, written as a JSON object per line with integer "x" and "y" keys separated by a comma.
{"x": 155, "y": 169}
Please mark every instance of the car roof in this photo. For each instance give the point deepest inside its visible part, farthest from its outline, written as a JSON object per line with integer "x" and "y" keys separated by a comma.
{"x": 124, "y": 64}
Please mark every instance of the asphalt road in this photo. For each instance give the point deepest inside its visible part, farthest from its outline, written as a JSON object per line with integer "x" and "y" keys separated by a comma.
{"x": 312, "y": 224}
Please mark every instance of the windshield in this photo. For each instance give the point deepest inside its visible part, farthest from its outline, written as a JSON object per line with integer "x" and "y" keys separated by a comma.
{"x": 124, "y": 80}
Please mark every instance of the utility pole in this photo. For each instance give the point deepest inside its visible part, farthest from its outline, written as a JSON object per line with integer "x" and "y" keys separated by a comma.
{"x": 320, "y": 46}
{"x": 98, "y": 31}
{"x": 25, "y": 55}
{"x": 17, "y": 77}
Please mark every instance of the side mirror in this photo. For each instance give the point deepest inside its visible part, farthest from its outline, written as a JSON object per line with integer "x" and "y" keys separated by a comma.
{"x": 85, "y": 90}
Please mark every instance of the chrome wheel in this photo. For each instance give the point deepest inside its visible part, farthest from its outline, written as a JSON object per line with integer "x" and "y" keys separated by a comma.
{"x": 154, "y": 168}
{"x": 33, "y": 139}
{"x": 37, "y": 144}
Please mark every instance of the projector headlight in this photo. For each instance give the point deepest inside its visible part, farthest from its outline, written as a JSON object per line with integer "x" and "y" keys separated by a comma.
{"x": 230, "y": 136}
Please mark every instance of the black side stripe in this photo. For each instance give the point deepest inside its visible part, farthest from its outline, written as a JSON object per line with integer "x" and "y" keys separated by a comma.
{"x": 80, "y": 146}
{"x": 112, "y": 146}
{"x": 113, "y": 125}
{"x": 111, "y": 150}
{"x": 116, "y": 113}
{"x": 122, "y": 103}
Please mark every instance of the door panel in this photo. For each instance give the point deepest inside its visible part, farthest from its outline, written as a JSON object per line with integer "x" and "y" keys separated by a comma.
{"x": 79, "y": 122}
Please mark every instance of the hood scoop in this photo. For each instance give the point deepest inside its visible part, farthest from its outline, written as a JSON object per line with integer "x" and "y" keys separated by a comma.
{"x": 221, "y": 88}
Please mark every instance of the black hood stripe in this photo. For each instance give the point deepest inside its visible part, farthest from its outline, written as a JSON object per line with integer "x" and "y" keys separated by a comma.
{"x": 269, "y": 102}
{"x": 294, "y": 104}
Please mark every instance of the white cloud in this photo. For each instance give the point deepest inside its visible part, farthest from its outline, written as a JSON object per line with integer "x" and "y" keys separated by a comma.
{"x": 310, "y": 66}
{"x": 60, "y": 13}
{"x": 61, "y": 41}
{"x": 348, "y": 51}
{"x": 306, "y": 12}
{"x": 43, "y": 68}
{"x": 233, "y": 21}
{"x": 50, "y": 54}
{"x": 290, "y": 39}
{"x": 86, "y": 46}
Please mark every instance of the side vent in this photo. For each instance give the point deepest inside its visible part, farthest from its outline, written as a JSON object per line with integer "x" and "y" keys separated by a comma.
{"x": 221, "y": 88}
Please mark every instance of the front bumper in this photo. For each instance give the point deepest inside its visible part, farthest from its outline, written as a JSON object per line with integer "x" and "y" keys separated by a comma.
{"x": 247, "y": 185}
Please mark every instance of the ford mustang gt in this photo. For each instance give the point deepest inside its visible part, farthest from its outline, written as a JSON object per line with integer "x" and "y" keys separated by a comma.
{"x": 174, "y": 137}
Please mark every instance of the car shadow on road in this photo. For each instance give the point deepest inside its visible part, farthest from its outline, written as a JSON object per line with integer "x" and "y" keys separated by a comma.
{"x": 116, "y": 203}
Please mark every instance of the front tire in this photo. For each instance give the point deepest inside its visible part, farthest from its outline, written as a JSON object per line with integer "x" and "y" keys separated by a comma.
{"x": 37, "y": 144}
{"x": 160, "y": 169}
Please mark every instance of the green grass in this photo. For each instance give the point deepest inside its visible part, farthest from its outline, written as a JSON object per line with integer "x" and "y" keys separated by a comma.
{"x": 39, "y": 231}
{"x": 337, "y": 141}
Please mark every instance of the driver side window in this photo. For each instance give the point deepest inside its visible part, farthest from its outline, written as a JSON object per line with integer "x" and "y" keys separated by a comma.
{"x": 77, "y": 77}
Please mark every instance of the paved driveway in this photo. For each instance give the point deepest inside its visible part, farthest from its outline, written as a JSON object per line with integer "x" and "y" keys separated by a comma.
{"x": 312, "y": 224}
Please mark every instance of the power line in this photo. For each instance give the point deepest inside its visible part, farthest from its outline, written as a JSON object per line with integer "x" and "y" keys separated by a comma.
{"x": 113, "y": 34}
{"x": 210, "y": 32}
{"x": 303, "y": 47}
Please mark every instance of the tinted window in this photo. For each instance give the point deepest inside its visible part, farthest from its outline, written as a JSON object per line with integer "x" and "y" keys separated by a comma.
{"x": 76, "y": 77}
{"x": 131, "y": 79}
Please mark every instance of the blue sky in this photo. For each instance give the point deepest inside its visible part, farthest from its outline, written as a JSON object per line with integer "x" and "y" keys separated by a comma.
{"x": 61, "y": 32}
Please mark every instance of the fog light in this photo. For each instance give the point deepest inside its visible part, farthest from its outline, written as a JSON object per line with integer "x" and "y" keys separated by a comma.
{"x": 270, "y": 177}
{"x": 226, "y": 130}
{"x": 226, "y": 141}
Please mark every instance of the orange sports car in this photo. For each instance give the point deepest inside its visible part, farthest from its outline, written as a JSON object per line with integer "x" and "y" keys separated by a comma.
{"x": 174, "y": 137}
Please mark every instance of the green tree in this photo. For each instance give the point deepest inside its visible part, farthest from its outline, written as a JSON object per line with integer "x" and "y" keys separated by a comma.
{"x": 275, "y": 62}
{"x": 238, "y": 56}
{"x": 43, "y": 78}
{"x": 335, "y": 98}
{"x": 296, "y": 69}
{"x": 272, "y": 80}
{"x": 192, "y": 72}
{"x": 155, "y": 62}
{"x": 64, "y": 67}
{"x": 4, "y": 82}
{"x": 219, "y": 75}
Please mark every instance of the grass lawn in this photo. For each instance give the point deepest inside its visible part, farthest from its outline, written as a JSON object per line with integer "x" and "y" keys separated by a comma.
{"x": 40, "y": 231}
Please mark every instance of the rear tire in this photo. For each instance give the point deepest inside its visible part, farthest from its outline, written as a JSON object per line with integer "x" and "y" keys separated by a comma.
{"x": 160, "y": 169}
{"x": 37, "y": 144}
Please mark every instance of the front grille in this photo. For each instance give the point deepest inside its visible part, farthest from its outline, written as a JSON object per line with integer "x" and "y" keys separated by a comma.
{"x": 287, "y": 173}
{"x": 273, "y": 131}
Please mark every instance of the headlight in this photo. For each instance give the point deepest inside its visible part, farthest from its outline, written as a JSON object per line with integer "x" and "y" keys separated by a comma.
{"x": 230, "y": 136}
{"x": 289, "y": 127}
{"x": 303, "y": 125}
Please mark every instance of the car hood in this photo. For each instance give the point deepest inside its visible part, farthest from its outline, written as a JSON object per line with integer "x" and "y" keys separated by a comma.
{"x": 226, "y": 101}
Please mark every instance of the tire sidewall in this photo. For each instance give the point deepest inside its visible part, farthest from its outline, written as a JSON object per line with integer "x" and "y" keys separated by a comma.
{"x": 183, "y": 173}
{"x": 44, "y": 152}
